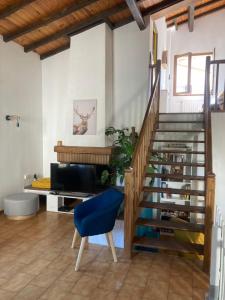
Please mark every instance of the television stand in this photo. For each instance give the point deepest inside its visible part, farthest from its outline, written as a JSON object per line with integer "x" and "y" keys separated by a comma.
{"x": 75, "y": 194}
{"x": 55, "y": 200}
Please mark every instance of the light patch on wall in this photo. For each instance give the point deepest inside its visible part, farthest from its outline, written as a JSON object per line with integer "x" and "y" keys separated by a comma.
{"x": 85, "y": 117}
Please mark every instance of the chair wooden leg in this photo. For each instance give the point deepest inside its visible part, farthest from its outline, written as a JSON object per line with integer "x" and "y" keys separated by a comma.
{"x": 83, "y": 240}
{"x": 74, "y": 238}
{"x": 107, "y": 238}
{"x": 110, "y": 238}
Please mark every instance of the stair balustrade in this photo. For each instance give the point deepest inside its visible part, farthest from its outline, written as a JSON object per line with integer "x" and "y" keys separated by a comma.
{"x": 134, "y": 176}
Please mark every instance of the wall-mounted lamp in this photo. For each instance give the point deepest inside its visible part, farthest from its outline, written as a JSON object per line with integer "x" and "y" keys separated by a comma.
{"x": 13, "y": 118}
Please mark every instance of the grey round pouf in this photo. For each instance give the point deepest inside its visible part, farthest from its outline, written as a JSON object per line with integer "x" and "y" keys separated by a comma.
{"x": 21, "y": 206}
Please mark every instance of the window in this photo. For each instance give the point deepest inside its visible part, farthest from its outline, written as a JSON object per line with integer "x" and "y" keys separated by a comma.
{"x": 189, "y": 74}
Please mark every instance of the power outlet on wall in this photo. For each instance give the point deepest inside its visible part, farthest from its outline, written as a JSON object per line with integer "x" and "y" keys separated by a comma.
{"x": 28, "y": 178}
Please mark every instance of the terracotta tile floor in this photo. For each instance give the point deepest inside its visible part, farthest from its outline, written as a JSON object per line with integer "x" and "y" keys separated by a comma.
{"x": 36, "y": 262}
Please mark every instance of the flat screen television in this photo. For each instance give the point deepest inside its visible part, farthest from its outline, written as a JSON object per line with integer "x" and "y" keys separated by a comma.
{"x": 84, "y": 178}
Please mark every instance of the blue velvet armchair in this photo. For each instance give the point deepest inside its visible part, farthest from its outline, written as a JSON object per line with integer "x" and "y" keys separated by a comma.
{"x": 97, "y": 216}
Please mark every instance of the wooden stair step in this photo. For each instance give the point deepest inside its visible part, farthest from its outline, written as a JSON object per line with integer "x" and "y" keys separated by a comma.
{"x": 174, "y": 130}
{"x": 173, "y": 191}
{"x": 169, "y": 244}
{"x": 171, "y": 206}
{"x": 173, "y": 163}
{"x": 178, "y": 141}
{"x": 170, "y": 225}
{"x": 174, "y": 176}
{"x": 177, "y": 151}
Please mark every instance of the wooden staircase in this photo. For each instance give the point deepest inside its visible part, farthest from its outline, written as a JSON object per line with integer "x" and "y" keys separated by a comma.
{"x": 180, "y": 191}
{"x": 192, "y": 172}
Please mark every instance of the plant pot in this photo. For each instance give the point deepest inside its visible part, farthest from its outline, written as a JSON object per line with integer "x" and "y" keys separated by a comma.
{"x": 119, "y": 181}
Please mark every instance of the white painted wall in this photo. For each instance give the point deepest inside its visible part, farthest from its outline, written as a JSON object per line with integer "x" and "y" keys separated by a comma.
{"x": 20, "y": 93}
{"x": 207, "y": 35}
{"x": 109, "y": 66}
{"x": 218, "y": 142}
{"x": 82, "y": 72}
{"x": 130, "y": 76}
{"x": 162, "y": 45}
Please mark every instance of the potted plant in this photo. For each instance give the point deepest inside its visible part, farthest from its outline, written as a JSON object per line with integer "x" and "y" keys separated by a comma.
{"x": 124, "y": 141}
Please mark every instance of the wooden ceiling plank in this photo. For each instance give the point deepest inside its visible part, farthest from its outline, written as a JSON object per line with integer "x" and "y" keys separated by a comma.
{"x": 159, "y": 6}
{"x": 171, "y": 9}
{"x": 55, "y": 51}
{"x": 197, "y": 7}
{"x": 48, "y": 19}
{"x": 151, "y": 10}
{"x": 11, "y": 9}
{"x": 205, "y": 13}
{"x": 136, "y": 13}
{"x": 78, "y": 26}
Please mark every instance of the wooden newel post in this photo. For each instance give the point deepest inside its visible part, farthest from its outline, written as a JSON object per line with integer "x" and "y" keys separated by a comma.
{"x": 128, "y": 212}
{"x": 209, "y": 219}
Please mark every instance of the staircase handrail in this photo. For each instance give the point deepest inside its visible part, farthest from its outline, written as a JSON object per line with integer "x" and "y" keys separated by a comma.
{"x": 134, "y": 176}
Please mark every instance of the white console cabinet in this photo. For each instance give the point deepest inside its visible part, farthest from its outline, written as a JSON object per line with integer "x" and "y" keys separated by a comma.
{"x": 53, "y": 202}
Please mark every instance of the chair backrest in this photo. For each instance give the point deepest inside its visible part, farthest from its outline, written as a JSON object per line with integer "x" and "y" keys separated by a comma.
{"x": 98, "y": 215}
{"x": 109, "y": 198}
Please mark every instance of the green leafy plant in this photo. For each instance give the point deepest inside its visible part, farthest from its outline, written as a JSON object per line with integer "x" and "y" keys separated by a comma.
{"x": 152, "y": 168}
{"x": 122, "y": 155}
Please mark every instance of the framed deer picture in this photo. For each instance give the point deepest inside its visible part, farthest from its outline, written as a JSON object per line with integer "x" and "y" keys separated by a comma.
{"x": 85, "y": 117}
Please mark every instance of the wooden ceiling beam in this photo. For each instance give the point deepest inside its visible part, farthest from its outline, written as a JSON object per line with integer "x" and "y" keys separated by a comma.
{"x": 205, "y": 13}
{"x": 47, "y": 20}
{"x": 191, "y": 17}
{"x": 89, "y": 26}
{"x": 149, "y": 11}
{"x": 172, "y": 9}
{"x": 78, "y": 26}
{"x": 11, "y": 9}
{"x": 197, "y": 7}
{"x": 54, "y": 51}
{"x": 136, "y": 13}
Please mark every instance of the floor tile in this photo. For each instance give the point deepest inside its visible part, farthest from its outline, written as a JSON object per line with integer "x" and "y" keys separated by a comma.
{"x": 100, "y": 294}
{"x": 130, "y": 292}
{"x": 44, "y": 268}
{"x": 17, "y": 282}
{"x": 45, "y": 278}
{"x": 85, "y": 285}
{"x": 5, "y": 295}
{"x": 199, "y": 294}
{"x": 59, "y": 290}
{"x": 173, "y": 296}
{"x": 156, "y": 290}
{"x": 200, "y": 280}
{"x": 36, "y": 266}
{"x": 181, "y": 286}
{"x": 30, "y": 292}
{"x": 112, "y": 281}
